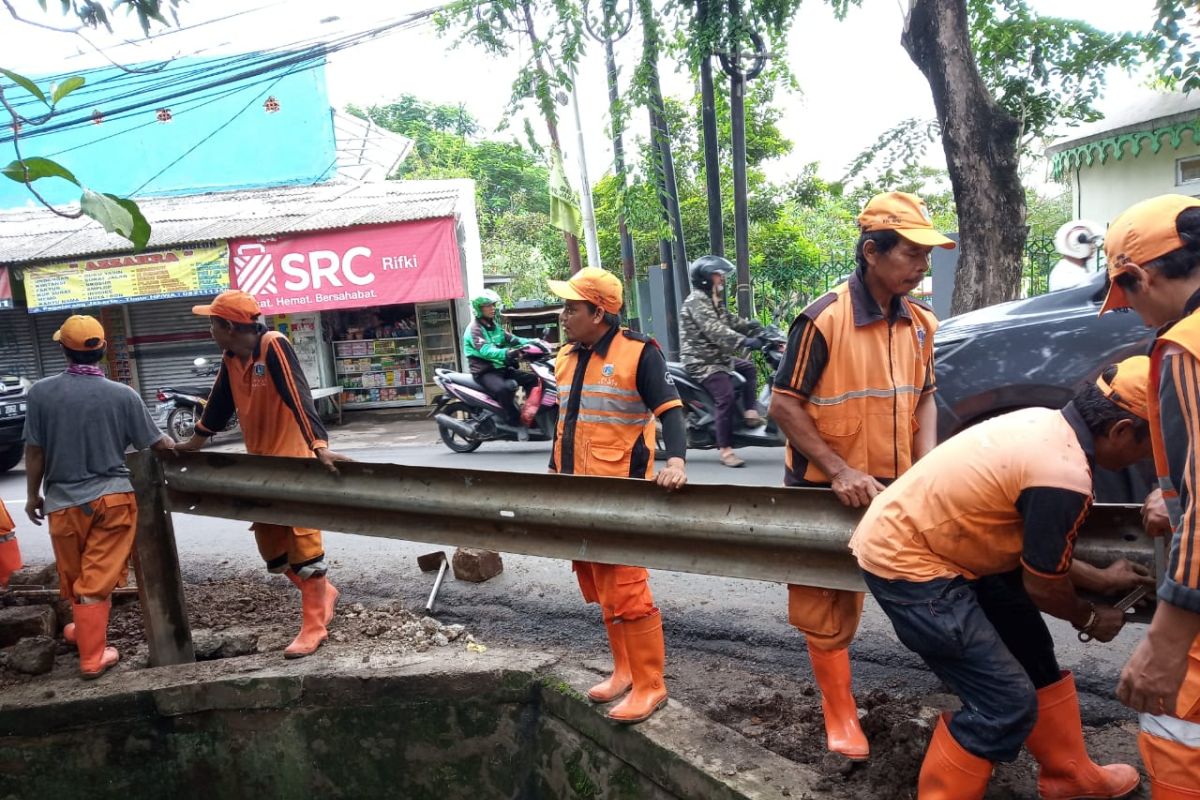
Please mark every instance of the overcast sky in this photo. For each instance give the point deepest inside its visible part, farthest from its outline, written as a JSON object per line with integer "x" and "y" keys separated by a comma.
{"x": 856, "y": 81}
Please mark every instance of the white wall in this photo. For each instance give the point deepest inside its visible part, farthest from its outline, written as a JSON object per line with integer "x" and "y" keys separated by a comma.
{"x": 1102, "y": 191}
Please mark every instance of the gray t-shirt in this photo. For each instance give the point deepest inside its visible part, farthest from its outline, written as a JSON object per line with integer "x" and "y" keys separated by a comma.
{"x": 86, "y": 424}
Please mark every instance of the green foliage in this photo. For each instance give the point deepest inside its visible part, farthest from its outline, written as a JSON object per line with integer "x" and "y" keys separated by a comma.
{"x": 1174, "y": 44}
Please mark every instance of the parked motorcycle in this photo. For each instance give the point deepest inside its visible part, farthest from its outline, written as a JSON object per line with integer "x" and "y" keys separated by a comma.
{"x": 700, "y": 409}
{"x": 467, "y": 416}
{"x": 184, "y": 403}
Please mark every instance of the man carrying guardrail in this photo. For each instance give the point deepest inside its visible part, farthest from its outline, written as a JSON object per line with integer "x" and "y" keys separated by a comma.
{"x": 854, "y": 397}
{"x": 964, "y": 552}
{"x": 261, "y": 379}
{"x": 1153, "y": 254}
{"x": 78, "y": 427}
{"x": 612, "y": 383}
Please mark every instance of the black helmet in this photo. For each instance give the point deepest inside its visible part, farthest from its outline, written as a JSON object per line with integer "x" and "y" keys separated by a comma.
{"x": 703, "y": 268}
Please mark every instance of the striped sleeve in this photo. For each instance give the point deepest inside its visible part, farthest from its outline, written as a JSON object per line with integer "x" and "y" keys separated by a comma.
{"x": 292, "y": 386}
{"x": 219, "y": 408}
{"x": 804, "y": 361}
{"x": 1052, "y": 517}
{"x": 1179, "y": 401}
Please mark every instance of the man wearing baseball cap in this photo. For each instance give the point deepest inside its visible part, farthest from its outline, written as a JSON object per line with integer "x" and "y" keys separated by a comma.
{"x": 261, "y": 379}
{"x": 854, "y": 397}
{"x": 612, "y": 383}
{"x": 1153, "y": 253}
{"x": 967, "y": 549}
{"x": 78, "y": 427}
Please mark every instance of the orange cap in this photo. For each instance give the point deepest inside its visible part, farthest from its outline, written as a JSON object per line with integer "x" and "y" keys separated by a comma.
{"x": 905, "y": 214}
{"x": 233, "y": 306}
{"x": 597, "y": 286}
{"x": 81, "y": 333}
{"x": 1130, "y": 386}
{"x": 1144, "y": 231}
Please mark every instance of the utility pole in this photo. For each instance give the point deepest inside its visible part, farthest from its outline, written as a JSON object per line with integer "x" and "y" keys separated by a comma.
{"x": 551, "y": 126}
{"x": 712, "y": 161}
{"x": 585, "y": 187}
{"x": 731, "y": 63}
{"x": 615, "y": 25}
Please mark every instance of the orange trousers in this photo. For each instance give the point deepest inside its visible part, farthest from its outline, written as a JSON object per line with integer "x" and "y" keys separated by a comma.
{"x": 283, "y": 546}
{"x": 1170, "y": 745}
{"x": 828, "y": 617}
{"x": 92, "y": 543}
{"x": 622, "y": 592}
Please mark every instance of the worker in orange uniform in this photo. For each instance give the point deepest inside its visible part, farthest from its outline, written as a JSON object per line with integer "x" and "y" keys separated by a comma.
{"x": 854, "y": 397}
{"x": 964, "y": 552}
{"x": 10, "y": 551}
{"x": 78, "y": 427}
{"x": 261, "y": 379}
{"x": 1153, "y": 253}
{"x": 612, "y": 383}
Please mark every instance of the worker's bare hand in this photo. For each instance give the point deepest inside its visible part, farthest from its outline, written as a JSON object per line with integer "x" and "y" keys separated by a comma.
{"x": 329, "y": 459}
{"x": 1109, "y": 621}
{"x": 1151, "y": 679}
{"x": 673, "y": 476}
{"x": 191, "y": 445}
{"x": 34, "y": 510}
{"x": 1154, "y": 515}
{"x": 855, "y": 489}
{"x": 1123, "y": 576}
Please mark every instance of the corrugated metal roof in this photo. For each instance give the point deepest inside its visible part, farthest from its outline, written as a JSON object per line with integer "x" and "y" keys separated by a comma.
{"x": 36, "y": 235}
{"x": 1146, "y": 111}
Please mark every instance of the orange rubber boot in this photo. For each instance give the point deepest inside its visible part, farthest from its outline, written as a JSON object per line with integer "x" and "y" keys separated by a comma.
{"x": 331, "y": 595}
{"x": 620, "y": 681}
{"x": 647, "y": 657}
{"x": 843, "y": 734}
{"x": 1067, "y": 773}
{"x": 10, "y": 559}
{"x": 314, "y": 608}
{"x": 91, "y": 634}
{"x": 949, "y": 772}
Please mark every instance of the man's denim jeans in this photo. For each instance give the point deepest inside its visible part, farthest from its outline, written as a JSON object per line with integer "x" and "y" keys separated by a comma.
{"x": 987, "y": 641}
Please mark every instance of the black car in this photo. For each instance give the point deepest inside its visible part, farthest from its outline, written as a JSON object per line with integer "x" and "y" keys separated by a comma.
{"x": 1036, "y": 352}
{"x": 12, "y": 420}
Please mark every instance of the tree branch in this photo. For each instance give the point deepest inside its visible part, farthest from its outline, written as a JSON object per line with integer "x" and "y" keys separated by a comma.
{"x": 17, "y": 149}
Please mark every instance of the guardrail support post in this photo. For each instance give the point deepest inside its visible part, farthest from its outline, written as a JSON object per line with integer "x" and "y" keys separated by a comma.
{"x": 156, "y": 562}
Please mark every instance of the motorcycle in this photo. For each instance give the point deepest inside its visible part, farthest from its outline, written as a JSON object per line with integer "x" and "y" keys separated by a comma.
{"x": 700, "y": 409}
{"x": 184, "y": 403}
{"x": 467, "y": 416}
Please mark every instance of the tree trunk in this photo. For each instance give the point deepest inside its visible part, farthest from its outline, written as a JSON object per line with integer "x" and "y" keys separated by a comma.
{"x": 980, "y": 140}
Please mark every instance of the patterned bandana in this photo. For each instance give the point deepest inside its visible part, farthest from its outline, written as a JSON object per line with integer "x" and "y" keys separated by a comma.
{"x": 86, "y": 369}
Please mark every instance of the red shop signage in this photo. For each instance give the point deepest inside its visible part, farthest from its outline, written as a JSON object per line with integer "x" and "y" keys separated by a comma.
{"x": 378, "y": 265}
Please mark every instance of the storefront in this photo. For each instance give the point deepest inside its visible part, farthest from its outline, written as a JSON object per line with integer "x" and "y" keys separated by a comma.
{"x": 144, "y": 302}
{"x": 377, "y": 303}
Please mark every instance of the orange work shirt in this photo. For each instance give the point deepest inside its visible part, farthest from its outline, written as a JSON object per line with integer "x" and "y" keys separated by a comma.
{"x": 861, "y": 374}
{"x": 1009, "y": 492}
{"x": 273, "y": 402}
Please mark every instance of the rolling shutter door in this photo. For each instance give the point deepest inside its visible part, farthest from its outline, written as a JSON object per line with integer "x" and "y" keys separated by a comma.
{"x": 18, "y": 356}
{"x": 49, "y": 351}
{"x": 165, "y": 337}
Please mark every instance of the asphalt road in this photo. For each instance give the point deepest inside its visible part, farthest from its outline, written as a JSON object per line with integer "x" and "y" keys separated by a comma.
{"x": 535, "y": 602}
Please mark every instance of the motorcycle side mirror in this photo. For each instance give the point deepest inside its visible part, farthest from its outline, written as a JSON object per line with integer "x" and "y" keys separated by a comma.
{"x": 201, "y": 361}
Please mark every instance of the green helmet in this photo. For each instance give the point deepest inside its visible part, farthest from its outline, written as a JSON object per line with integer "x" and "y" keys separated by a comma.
{"x": 485, "y": 298}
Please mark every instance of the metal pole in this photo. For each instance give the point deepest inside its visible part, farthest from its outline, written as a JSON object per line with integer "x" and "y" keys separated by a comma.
{"x": 156, "y": 564}
{"x": 741, "y": 207}
{"x": 712, "y": 162}
{"x": 627, "y": 266}
{"x": 665, "y": 251}
{"x": 585, "y": 190}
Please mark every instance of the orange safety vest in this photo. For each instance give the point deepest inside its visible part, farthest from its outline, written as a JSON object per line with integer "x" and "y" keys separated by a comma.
{"x": 612, "y": 416}
{"x": 864, "y": 405}
{"x": 1184, "y": 334}
{"x": 268, "y": 425}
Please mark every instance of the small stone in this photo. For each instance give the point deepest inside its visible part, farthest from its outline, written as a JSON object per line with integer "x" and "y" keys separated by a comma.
{"x": 835, "y": 764}
{"x": 33, "y": 656}
{"x": 20, "y": 622}
{"x": 337, "y": 636}
{"x": 422, "y": 647}
{"x": 470, "y": 639}
{"x": 207, "y": 644}
{"x": 238, "y": 643}
{"x": 475, "y": 565}
{"x": 454, "y": 631}
{"x": 729, "y": 770}
{"x": 357, "y": 608}
{"x": 430, "y": 625}
{"x": 440, "y": 639}
{"x": 373, "y": 630}
{"x": 45, "y": 576}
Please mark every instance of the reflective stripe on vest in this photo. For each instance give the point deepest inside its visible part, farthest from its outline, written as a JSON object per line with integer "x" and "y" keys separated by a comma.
{"x": 1173, "y": 729}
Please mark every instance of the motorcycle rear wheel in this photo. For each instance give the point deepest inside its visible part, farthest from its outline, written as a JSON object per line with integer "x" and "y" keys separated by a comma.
{"x": 181, "y": 423}
{"x": 451, "y": 439}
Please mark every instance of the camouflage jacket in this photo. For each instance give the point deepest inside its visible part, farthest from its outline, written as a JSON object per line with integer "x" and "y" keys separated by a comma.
{"x": 709, "y": 336}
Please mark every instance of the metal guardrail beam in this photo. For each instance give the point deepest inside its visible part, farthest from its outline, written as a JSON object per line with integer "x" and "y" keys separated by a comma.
{"x": 755, "y": 532}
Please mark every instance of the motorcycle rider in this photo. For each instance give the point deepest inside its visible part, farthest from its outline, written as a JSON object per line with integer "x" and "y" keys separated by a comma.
{"x": 710, "y": 338}
{"x": 491, "y": 354}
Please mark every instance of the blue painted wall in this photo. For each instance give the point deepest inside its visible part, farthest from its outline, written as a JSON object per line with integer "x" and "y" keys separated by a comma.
{"x": 220, "y": 136}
